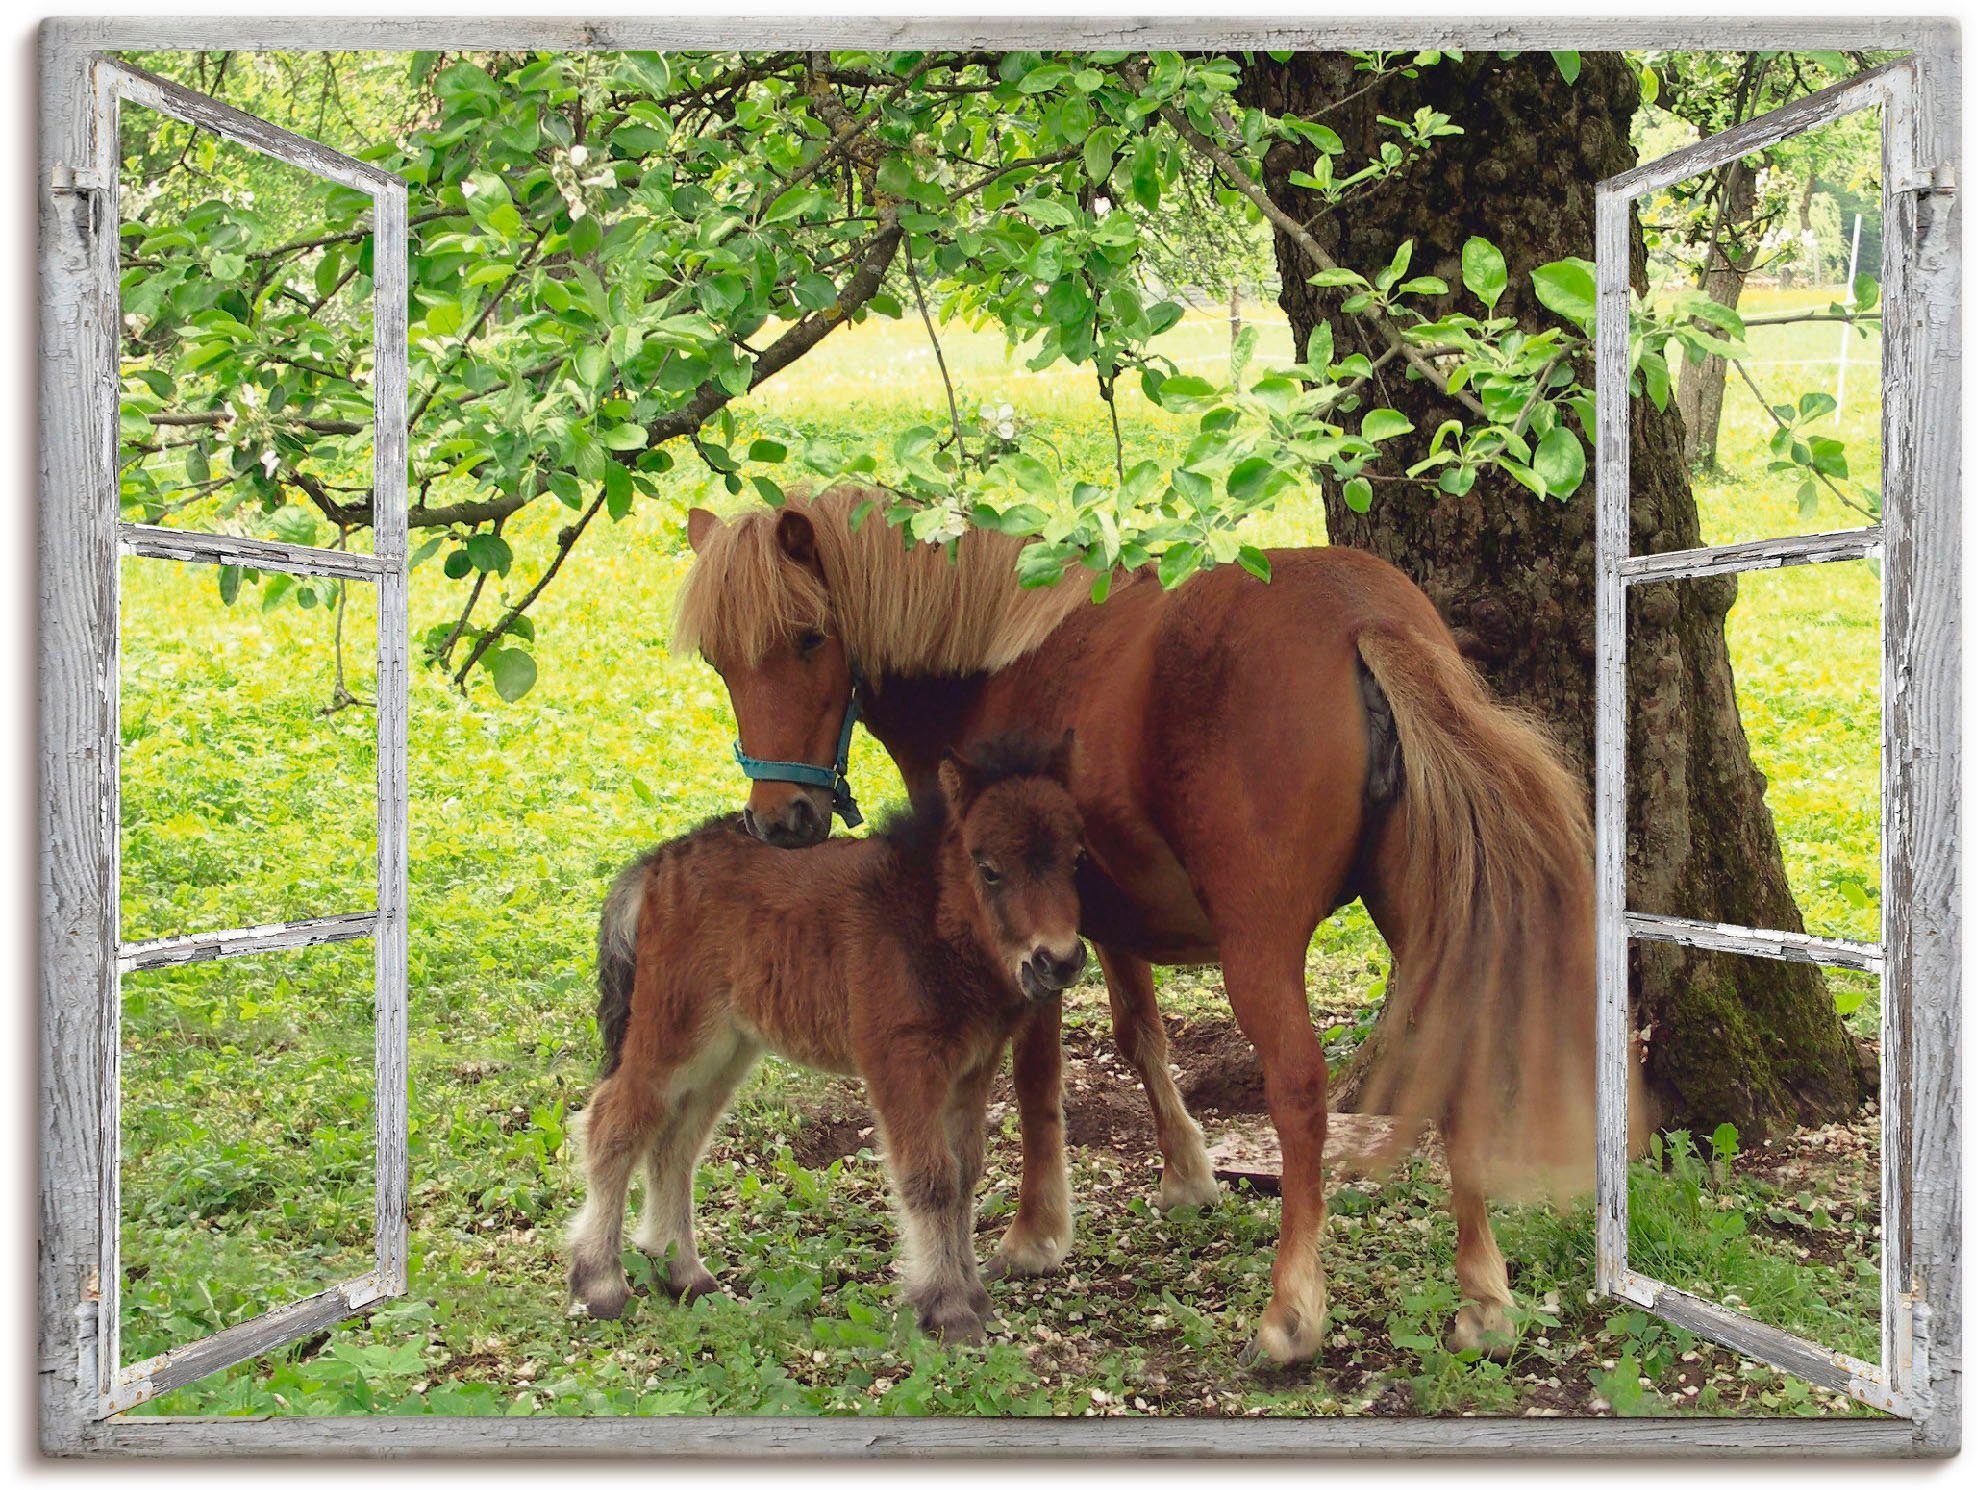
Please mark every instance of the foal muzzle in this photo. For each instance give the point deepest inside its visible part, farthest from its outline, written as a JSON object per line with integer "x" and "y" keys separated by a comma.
{"x": 1045, "y": 976}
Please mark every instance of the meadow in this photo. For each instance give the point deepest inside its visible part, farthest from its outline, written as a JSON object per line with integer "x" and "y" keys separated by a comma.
{"x": 246, "y": 1148}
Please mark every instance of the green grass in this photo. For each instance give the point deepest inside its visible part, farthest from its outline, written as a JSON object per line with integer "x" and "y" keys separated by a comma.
{"x": 246, "y": 1108}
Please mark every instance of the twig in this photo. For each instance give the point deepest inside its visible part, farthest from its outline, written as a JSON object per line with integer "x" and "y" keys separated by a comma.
{"x": 565, "y": 541}
{"x": 1758, "y": 393}
{"x": 954, "y": 410}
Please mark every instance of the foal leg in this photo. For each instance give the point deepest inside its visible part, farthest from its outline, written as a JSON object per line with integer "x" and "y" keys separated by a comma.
{"x": 1186, "y": 1175}
{"x": 912, "y": 1106}
{"x": 666, "y": 1221}
{"x": 967, "y": 1111}
{"x": 624, "y": 1115}
{"x": 1266, "y": 986}
{"x": 1040, "y": 1236}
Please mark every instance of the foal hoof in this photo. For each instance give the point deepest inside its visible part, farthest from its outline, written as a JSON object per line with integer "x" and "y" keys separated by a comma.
{"x": 1482, "y": 1327}
{"x": 697, "y": 1287}
{"x": 600, "y": 1298}
{"x": 953, "y": 1322}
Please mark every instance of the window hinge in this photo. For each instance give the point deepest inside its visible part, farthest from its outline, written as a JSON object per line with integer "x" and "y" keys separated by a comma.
{"x": 1940, "y": 180}
{"x": 76, "y": 179}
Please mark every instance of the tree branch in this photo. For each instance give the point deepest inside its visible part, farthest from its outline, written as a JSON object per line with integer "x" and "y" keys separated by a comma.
{"x": 1233, "y": 172}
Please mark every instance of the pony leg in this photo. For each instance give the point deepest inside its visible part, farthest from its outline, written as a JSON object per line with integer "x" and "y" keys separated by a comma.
{"x": 967, "y": 1111}
{"x": 620, "y": 1124}
{"x": 1267, "y": 992}
{"x": 1186, "y": 1176}
{"x": 1482, "y": 1323}
{"x": 926, "y": 1174}
{"x": 666, "y": 1221}
{"x": 1040, "y": 1236}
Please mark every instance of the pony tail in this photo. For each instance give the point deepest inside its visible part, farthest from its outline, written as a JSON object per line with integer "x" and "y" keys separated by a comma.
{"x": 1495, "y": 1037}
{"x": 618, "y": 942}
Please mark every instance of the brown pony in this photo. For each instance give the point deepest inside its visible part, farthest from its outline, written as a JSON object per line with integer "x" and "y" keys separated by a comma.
{"x": 907, "y": 958}
{"x": 1252, "y": 756}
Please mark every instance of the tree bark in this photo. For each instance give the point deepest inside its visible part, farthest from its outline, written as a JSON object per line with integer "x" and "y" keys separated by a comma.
{"x": 1727, "y": 260}
{"x": 1728, "y": 1038}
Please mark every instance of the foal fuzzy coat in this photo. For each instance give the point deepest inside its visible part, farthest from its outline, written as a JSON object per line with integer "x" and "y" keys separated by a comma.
{"x": 907, "y": 959}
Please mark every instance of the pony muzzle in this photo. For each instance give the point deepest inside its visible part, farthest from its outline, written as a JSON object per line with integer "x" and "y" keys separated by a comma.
{"x": 1044, "y": 975}
{"x": 799, "y": 822}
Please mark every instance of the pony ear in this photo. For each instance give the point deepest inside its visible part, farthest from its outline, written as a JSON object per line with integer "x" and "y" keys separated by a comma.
{"x": 960, "y": 781}
{"x": 1058, "y": 764}
{"x": 700, "y": 523}
{"x": 798, "y": 540}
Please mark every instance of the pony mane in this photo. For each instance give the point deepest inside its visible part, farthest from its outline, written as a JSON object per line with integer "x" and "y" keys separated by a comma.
{"x": 899, "y": 606}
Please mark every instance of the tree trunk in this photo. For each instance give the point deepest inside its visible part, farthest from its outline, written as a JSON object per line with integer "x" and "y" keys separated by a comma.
{"x": 1729, "y": 1038}
{"x": 1727, "y": 260}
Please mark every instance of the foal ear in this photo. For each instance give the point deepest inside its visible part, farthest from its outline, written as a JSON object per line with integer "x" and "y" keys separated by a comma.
{"x": 700, "y": 523}
{"x": 798, "y": 540}
{"x": 960, "y": 781}
{"x": 1058, "y": 764}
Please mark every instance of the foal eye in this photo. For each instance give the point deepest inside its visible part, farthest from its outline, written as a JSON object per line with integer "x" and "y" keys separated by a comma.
{"x": 989, "y": 875}
{"x": 809, "y": 642}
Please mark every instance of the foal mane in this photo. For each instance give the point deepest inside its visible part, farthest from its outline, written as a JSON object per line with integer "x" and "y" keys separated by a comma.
{"x": 899, "y": 606}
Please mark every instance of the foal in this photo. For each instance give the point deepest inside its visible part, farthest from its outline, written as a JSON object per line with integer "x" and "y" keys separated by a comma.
{"x": 907, "y": 959}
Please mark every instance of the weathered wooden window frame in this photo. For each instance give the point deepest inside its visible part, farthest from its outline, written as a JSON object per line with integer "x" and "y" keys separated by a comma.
{"x": 1913, "y": 177}
{"x": 80, "y": 543}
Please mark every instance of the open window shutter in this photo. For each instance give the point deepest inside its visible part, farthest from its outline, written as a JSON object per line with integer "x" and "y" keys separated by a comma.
{"x": 119, "y": 1387}
{"x": 1917, "y": 538}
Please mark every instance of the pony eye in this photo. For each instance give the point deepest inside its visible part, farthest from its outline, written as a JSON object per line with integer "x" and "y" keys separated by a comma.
{"x": 988, "y": 873}
{"x": 809, "y": 642}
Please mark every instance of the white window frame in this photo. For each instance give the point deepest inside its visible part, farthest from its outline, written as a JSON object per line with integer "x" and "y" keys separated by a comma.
{"x": 1916, "y": 957}
{"x": 80, "y": 542}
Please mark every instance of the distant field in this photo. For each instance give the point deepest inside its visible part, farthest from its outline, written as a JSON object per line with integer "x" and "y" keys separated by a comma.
{"x": 246, "y": 1148}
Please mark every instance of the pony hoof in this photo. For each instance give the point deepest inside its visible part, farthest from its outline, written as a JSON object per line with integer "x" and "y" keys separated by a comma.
{"x": 1027, "y": 1256}
{"x": 1287, "y": 1342}
{"x": 1178, "y": 1190}
{"x": 1481, "y": 1327}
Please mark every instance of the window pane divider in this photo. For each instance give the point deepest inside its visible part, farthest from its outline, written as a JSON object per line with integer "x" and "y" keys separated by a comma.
{"x": 1834, "y": 1370}
{"x": 1750, "y": 941}
{"x": 1758, "y": 553}
{"x": 278, "y": 936}
{"x": 139, "y": 1383}
{"x": 188, "y": 547}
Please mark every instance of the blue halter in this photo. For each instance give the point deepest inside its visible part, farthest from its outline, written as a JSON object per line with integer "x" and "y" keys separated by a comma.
{"x": 831, "y": 778}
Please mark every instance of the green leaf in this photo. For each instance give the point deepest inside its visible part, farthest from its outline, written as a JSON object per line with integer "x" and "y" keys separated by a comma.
{"x": 769, "y": 452}
{"x": 513, "y": 671}
{"x": 1358, "y": 494}
{"x": 229, "y": 583}
{"x": 1255, "y": 560}
{"x": 1250, "y": 479}
{"x": 490, "y": 553}
{"x": 1569, "y": 65}
{"x": 625, "y": 437}
{"x": 1484, "y": 274}
{"x": 1567, "y": 288}
{"x": 1385, "y": 424}
{"x": 1560, "y": 462}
